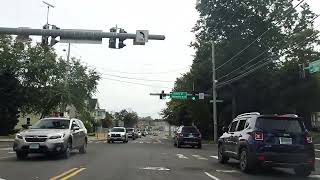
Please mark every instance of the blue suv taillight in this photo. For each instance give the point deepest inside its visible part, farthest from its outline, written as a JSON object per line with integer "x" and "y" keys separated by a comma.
{"x": 258, "y": 136}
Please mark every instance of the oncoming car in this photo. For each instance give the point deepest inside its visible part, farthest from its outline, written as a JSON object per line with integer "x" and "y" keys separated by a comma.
{"x": 52, "y": 136}
{"x": 118, "y": 134}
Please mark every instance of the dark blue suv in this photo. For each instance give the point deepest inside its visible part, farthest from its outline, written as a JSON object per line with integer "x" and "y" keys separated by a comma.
{"x": 268, "y": 140}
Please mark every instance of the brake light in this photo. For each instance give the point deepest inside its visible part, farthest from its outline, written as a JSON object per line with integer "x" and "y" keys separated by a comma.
{"x": 261, "y": 157}
{"x": 309, "y": 139}
{"x": 258, "y": 136}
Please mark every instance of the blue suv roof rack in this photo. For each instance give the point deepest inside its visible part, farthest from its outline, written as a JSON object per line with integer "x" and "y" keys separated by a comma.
{"x": 248, "y": 114}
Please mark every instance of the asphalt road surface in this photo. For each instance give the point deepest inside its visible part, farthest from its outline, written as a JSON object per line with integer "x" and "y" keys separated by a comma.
{"x": 147, "y": 158}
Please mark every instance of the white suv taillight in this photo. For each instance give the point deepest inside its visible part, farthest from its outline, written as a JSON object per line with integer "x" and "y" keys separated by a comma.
{"x": 258, "y": 136}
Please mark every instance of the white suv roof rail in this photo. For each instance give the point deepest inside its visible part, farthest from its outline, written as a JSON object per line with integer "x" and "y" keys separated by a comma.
{"x": 251, "y": 113}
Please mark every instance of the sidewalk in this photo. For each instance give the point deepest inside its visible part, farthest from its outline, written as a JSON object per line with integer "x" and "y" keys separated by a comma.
{"x": 6, "y": 139}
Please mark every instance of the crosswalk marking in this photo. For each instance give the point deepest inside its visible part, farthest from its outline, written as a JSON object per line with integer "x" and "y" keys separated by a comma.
{"x": 199, "y": 157}
{"x": 181, "y": 156}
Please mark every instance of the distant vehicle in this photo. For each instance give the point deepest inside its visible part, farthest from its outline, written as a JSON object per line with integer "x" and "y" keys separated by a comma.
{"x": 139, "y": 134}
{"x": 187, "y": 135}
{"x": 268, "y": 140}
{"x": 118, "y": 134}
{"x": 52, "y": 136}
{"x": 131, "y": 133}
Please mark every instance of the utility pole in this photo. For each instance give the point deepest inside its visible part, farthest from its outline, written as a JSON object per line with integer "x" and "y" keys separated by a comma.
{"x": 49, "y": 5}
{"x": 214, "y": 110}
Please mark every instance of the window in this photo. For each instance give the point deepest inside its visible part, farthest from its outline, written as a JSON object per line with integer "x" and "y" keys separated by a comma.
{"x": 189, "y": 130}
{"x": 241, "y": 125}
{"x": 247, "y": 125}
{"x": 81, "y": 124}
{"x": 233, "y": 126}
{"x": 51, "y": 124}
{"x": 117, "y": 130}
{"x": 280, "y": 124}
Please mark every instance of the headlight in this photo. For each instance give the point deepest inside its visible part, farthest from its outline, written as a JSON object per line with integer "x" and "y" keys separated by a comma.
{"x": 56, "y": 137}
{"x": 109, "y": 134}
{"x": 19, "y": 136}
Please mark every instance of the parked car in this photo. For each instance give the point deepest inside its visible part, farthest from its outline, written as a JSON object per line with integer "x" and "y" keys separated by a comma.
{"x": 268, "y": 140}
{"x": 118, "y": 134}
{"x": 52, "y": 136}
{"x": 187, "y": 135}
{"x": 132, "y": 133}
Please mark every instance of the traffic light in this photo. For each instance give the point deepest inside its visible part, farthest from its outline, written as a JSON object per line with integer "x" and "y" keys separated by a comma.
{"x": 53, "y": 40}
{"x": 121, "y": 40}
{"x": 194, "y": 96}
{"x": 112, "y": 41}
{"x": 44, "y": 40}
{"x": 162, "y": 95}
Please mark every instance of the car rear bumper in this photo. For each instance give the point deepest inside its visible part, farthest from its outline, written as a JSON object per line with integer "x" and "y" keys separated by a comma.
{"x": 285, "y": 160}
{"x": 117, "y": 138}
{"x": 189, "y": 141}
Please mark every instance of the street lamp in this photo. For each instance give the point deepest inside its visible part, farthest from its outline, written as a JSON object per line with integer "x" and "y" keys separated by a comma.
{"x": 49, "y": 5}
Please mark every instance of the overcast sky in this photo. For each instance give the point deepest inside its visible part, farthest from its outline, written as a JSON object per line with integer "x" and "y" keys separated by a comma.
{"x": 157, "y": 60}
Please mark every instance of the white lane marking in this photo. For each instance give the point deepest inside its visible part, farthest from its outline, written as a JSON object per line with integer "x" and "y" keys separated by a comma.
{"x": 181, "y": 156}
{"x": 6, "y": 149}
{"x": 199, "y": 157}
{"x": 211, "y": 176}
{"x": 141, "y": 142}
{"x": 148, "y": 142}
{"x": 216, "y": 157}
{"x": 2, "y": 179}
{"x": 105, "y": 141}
{"x": 7, "y": 157}
{"x": 11, "y": 152}
{"x": 317, "y": 158}
{"x": 156, "y": 168}
{"x": 227, "y": 171}
{"x": 318, "y": 150}
{"x": 97, "y": 142}
{"x": 314, "y": 176}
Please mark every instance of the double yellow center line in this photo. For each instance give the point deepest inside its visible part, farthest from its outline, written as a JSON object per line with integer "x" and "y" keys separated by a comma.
{"x": 68, "y": 174}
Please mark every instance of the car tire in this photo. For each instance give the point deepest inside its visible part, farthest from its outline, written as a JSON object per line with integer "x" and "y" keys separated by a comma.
{"x": 21, "y": 155}
{"x": 199, "y": 146}
{"x": 221, "y": 157}
{"x": 245, "y": 162}
{"x": 109, "y": 141}
{"x": 67, "y": 151}
{"x": 83, "y": 149}
{"x": 302, "y": 172}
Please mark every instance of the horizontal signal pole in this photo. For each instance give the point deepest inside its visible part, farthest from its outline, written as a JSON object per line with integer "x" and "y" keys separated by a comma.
{"x": 73, "y": 33}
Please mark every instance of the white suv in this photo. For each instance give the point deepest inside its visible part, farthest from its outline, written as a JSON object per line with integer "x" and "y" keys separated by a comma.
{"x": 118, "y": 134}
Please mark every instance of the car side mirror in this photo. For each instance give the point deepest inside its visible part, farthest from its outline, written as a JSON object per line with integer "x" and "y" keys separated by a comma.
{"x": 75, "y": 128}
{"x": 225, "y": 129}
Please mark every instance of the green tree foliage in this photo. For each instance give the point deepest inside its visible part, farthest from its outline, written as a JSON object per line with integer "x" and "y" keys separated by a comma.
{"x": 49, "y": 83}
{"x": 129, "y": 118}
{"x": 276, "y": 32}
{"x": 107, "y": 121}
{"x": 11, "y": 98}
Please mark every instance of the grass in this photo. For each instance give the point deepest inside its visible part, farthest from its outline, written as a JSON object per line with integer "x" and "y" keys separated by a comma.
{"x": 91, "y": 134}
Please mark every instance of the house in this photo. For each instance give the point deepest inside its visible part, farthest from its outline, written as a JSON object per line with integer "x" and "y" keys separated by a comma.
{"x": 94, "y": 109}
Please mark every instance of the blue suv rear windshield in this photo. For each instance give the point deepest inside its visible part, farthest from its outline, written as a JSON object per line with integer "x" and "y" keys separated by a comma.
{"x": 290, "y": 125}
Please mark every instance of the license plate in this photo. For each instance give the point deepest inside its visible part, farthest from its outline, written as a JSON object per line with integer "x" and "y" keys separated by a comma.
{"x": 34, "y": 146}
{"x": 284, "y": 140}
{"x": 190, "y": 135}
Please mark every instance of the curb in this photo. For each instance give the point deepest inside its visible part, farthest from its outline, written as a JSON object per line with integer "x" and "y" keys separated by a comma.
{"x": 6, "y": 140}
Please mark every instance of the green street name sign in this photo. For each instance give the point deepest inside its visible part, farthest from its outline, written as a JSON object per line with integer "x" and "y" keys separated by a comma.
{"x": 314, "y": 66}
{"x": 179, "y": 95}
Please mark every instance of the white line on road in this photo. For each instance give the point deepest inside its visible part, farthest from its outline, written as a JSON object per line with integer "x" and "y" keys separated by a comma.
{"x": 97, "y": 142}
{"x": 227, "y": 171}
{"x": 2, "y": 179}
{"x": 141, "y": 142}
{"x": 318, "y": 150}
{"x": 181, "y": 156}
{"x": 211, "y": 176}
{"x": 6, "y": 149}
{"x": 156, "y": 168}
{"x": 199, "y": 157}
{"x": 11, "y": 152}
{"x": 7, "y": 157}
{"x": 314, "y": 176}
{"x": 317, "y": 158}
{"x": 105, "y": 141}
{"x": 216, "y": 157}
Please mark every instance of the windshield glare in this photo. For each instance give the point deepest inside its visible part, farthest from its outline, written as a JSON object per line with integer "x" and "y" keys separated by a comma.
{"x": 51, "y": 124}
{"x": 117, "y": 130}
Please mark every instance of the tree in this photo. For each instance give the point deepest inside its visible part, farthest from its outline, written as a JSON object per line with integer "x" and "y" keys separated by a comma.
{"x": 288, "y": 39}
{"x": 12, "y": 97}
{"x": 129, "y": 118}
{"x": 107, "y": 121}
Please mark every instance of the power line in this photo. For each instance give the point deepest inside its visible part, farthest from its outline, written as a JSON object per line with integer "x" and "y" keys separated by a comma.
{"x": 265, "y": 52}
{"x": 247, "y": 71}
{"x": 255, "y": 40}
{"x": 141, "y": 84}
{"x": 140, "y": 79}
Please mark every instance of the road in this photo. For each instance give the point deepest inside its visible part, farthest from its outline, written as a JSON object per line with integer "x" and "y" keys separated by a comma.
{"x": 148, "y": 158}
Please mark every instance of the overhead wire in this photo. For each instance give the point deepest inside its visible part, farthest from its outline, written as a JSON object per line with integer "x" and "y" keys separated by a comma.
{"x": 249, "y": 70}
{"x": 260, "y": 36}
{"x": 283, "y": 40}
{"x": 141, "y": 84}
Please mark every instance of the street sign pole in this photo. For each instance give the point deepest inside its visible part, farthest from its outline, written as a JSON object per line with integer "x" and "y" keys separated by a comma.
{"x": 214, "y": 110}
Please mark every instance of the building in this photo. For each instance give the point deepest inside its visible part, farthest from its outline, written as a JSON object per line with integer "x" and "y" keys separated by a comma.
{"x": 94, "y": 109}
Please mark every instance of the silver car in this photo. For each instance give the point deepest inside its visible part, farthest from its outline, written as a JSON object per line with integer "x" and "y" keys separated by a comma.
{"x": 52, "y": 136}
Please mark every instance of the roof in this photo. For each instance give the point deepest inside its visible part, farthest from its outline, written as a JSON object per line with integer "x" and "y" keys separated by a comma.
{"x": 92, "y": 104}
{"x": 62, "y": 118}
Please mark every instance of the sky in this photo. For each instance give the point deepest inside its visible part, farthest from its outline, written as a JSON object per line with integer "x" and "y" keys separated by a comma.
{"x": 157, "y": 60}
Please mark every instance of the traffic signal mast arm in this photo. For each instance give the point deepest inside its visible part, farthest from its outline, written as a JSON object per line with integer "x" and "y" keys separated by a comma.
{"x": 74, "y": 33}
